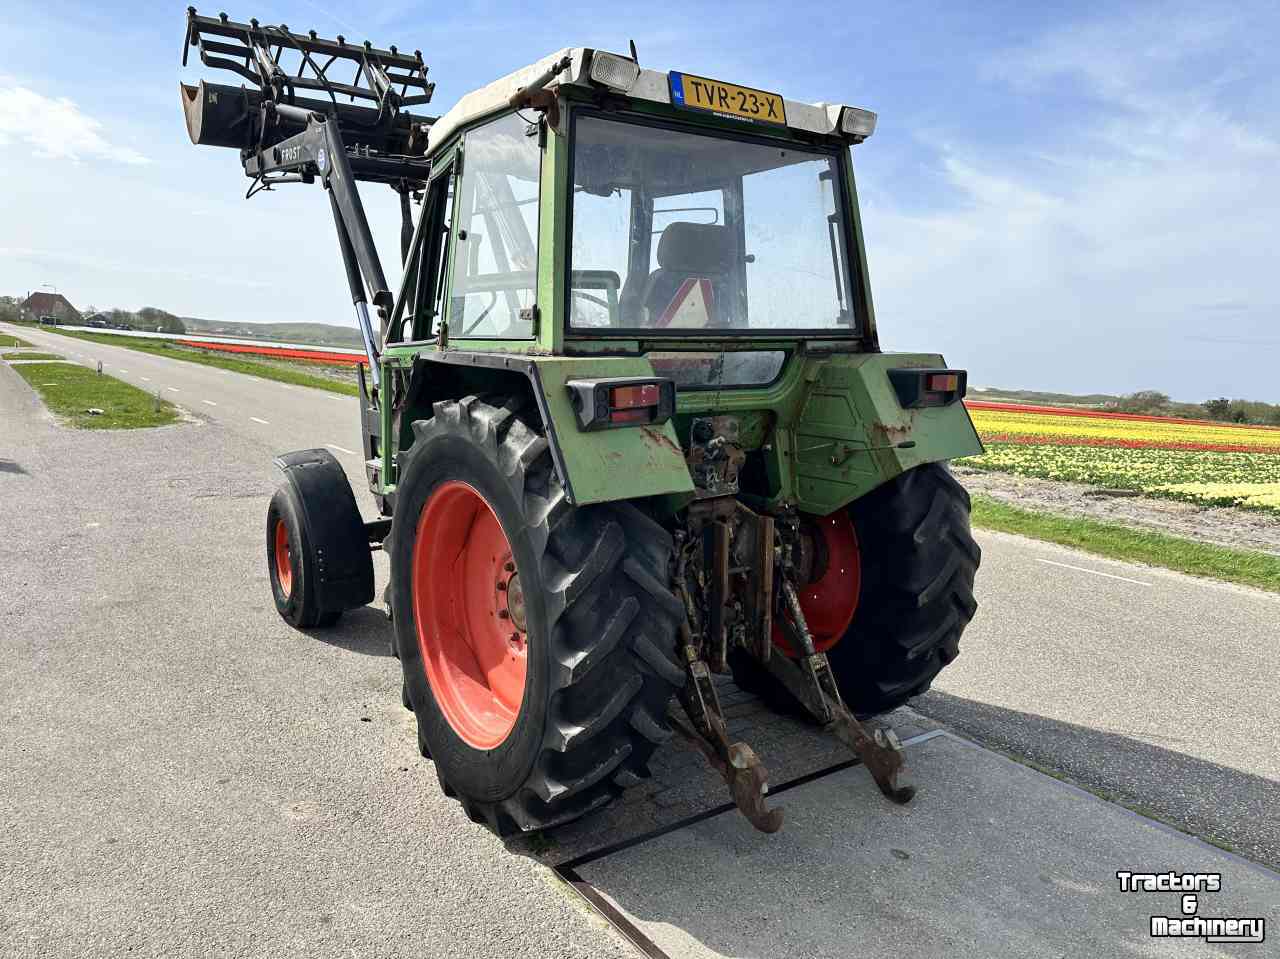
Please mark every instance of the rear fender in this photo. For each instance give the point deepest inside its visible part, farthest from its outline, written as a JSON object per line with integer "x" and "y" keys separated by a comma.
{"x": 596, "y": 466}
{"x": 851, "y": 433}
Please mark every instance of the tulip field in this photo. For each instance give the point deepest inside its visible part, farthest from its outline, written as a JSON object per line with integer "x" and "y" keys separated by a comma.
{"x": 1202, "y": 462}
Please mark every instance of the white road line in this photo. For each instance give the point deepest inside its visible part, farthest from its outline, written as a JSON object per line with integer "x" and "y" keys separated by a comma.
{"x": 209, "y": 402}
{"x": 146, "y": 379}
{"x": 256, "y": 420}
{"x": 1081, "y": 569}
{"x": 122, "y": 369}
{"x": 341, "y": 449}
{"x": 173, "y": 389}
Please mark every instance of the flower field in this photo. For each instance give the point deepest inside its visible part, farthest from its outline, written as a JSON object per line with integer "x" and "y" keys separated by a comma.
{"x": 1211, "y": 464}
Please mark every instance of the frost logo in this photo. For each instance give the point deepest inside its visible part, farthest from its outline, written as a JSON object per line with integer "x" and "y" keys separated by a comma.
{"x": 1190, "y": 924}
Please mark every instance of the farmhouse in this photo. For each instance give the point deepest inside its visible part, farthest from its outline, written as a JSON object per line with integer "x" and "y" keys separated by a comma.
{"x": 49, "y": 304}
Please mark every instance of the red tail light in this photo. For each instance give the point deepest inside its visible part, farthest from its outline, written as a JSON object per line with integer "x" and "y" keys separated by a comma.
{"x": 622, "y": 401}
{"x": 629, "y": 397}
{"x": 942, "y": 382}
{"x": 920, "y": 388}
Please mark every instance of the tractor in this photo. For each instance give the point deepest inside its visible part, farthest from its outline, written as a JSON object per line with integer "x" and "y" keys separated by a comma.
{"x": 626, "y": 419}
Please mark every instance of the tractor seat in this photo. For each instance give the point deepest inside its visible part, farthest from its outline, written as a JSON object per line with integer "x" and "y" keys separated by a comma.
{"x": 689, "y": 285}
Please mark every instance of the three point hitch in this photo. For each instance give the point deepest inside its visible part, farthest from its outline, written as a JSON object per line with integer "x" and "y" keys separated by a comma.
{"x": 728, "y": 605}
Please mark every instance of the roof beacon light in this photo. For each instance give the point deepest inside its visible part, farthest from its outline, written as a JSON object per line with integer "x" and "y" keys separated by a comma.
{"x": 615, "y": 72}
{"x": 857, "y": 123}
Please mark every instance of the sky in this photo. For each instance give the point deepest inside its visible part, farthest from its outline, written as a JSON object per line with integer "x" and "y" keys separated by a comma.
{"x": 1060, "y": 196}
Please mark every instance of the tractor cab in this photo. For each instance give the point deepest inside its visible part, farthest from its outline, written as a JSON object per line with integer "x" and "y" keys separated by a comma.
{"x": 691, "y": 209}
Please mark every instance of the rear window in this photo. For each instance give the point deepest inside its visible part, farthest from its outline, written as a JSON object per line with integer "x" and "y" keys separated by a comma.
{"x": 707, "y": 370}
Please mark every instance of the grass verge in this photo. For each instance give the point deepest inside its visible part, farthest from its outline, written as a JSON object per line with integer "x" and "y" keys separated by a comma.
{"x": 1246, "y": 567}
{"x": 29, "y": 356}
{"x": 7, "y": 341}
{"x": 268, "y": 371}
{"x": 69, "y": 390}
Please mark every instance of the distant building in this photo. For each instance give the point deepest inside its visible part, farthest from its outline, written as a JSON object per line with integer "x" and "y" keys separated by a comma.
{"x": 49, "y": 304}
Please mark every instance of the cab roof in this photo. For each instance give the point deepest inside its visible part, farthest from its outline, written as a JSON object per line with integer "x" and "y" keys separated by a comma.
{"x": 650, "y": 85}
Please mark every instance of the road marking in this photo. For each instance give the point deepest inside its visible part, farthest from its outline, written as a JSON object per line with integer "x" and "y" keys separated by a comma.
{"x": 341, "y": 449}
{"x": 173, "y": 389}
{"x": 146, "y": 379}
{"x": 256, "y": 420}
{"x": 1081, "y": 569}
{"x": 122, "y": 369}
{"x": 209, "y": 402}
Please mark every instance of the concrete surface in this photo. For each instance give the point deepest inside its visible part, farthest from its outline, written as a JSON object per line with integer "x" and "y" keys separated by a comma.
{"x": 1156, "y": 688}
{"x": 682, "y": 784}
{"x": 991, "y": 859}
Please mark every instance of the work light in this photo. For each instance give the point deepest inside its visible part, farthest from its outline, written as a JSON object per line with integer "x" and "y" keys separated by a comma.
{"x": 615, "y": 72}
{"x": 857, "y": 123}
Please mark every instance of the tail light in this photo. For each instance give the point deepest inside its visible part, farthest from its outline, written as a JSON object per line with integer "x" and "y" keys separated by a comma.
{"x": 622, "y": 401}
{"x": 921, "y": 388}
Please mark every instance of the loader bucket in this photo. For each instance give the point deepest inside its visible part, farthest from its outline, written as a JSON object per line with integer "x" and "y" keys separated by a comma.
{"x": 218, "y": 115}
{"x": 291, "y": 75}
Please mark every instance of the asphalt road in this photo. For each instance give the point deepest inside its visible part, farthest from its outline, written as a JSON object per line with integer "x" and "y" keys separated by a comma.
{"x": 269, "y": 415}
{"x": 184, "y": 774}
{"x": 1150, "y": 687}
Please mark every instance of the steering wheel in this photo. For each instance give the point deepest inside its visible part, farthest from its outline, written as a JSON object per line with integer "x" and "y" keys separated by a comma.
{"x": 493, "y": 299}
{"x": 598, "y": 301}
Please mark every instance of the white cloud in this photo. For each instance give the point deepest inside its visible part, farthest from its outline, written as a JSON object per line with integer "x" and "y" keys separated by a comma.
{"x": 1085, "y": 257}
{"x": 56, "y": 128}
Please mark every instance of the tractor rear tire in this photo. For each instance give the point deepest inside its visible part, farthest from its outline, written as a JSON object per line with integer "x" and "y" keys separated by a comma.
{"x": 918, "y": 561}
{"x": 597, "y": 624}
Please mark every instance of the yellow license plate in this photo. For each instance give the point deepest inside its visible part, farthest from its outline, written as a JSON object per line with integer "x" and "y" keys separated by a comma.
{"x": 726, "y": 99}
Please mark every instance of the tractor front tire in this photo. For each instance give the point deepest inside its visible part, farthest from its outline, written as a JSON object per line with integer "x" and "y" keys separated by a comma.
{"x": 291, "y": 565}
{"x": 562, "y": 718}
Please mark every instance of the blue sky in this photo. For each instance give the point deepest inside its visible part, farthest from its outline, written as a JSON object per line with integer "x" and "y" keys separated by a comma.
{"x": 1058, "y": 196}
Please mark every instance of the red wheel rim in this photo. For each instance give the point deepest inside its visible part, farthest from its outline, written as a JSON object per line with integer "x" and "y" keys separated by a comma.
{"x": 829, "y": 602}
{"x": 468, "y": 606}
{"x": 284, "y": 564}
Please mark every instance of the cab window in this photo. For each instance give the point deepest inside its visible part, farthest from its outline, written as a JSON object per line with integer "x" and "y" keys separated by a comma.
{"x": 495, "y": 233}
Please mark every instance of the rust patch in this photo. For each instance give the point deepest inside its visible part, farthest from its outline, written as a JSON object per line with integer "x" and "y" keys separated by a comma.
{"x": 894, "y": 433}
{"x": 657, "y": 439}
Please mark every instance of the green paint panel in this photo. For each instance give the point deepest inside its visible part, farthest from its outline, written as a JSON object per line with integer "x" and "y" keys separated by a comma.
{"x": 614, "y": 464}
{"x": 845, "y": 441}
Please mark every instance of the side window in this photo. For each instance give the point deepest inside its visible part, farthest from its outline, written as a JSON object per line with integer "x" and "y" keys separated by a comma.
{"x": 603, "y": 246}
{"x": 433, "y": 268}
{"x": 495, "y": 253}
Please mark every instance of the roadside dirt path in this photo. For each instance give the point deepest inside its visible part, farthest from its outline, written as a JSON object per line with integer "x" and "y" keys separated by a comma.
{"x": 1223, "y": 526}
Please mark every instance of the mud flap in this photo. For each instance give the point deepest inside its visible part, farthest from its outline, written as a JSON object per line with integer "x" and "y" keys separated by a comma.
{"x": 335, "y": 532}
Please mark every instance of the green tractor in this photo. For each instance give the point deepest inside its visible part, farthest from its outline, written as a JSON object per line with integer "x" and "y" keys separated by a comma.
{"x": 625, "y": 417}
